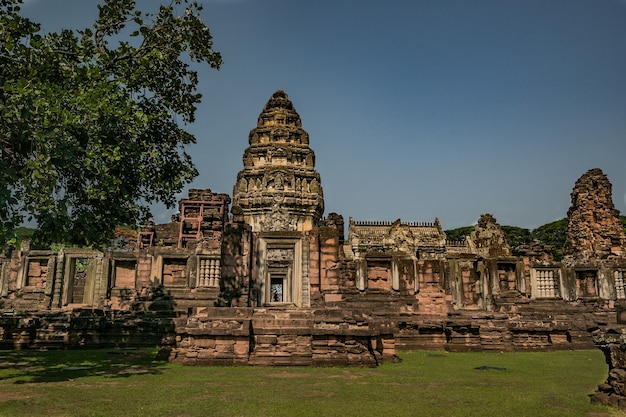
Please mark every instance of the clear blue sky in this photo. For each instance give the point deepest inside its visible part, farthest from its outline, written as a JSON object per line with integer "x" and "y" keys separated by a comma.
{"x": 417, "y": 109}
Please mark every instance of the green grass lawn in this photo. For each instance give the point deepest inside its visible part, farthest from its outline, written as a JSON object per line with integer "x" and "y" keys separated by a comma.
{"x": 129, "y": 383}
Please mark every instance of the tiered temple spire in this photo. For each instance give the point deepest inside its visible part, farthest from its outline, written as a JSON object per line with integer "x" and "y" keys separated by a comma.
{"x": 279, "y": 188}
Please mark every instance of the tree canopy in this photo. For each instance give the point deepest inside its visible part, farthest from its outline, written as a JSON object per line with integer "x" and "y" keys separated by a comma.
{"x": 92, "y": 123}
{"x": 459, "y": 234}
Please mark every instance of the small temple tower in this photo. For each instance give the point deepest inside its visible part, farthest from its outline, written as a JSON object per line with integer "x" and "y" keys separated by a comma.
{"x": 278, "y": 188}
{"x": 280, "y": 197}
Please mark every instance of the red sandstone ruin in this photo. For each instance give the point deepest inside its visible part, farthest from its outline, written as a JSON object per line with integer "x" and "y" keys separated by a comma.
{"x": 267, "y": 280}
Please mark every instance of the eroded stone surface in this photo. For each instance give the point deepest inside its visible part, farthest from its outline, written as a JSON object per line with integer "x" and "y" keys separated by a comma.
{"x": 279, "y": 188}
{"x": 594, "y": 230}
{"x": 612, "y": 392}
{"x": 489, "y": 239}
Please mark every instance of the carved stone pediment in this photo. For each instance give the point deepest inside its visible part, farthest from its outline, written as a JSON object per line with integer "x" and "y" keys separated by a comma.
{"x": 400, "y": 238}
{"x": 279, "y": 220}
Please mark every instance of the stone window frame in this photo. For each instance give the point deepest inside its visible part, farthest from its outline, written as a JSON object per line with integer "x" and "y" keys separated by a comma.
{"x": 557, "y": 281}
{"x": 114, "y": 262}
{"x": 394, "y": 279}
{"x": 51, "y": 264}
{"x": 158, "y": 262}
{"x": 577, "y": 274}
{"x": 164, "y": 259}
{"x": 619, "y": 280}
{"x": 394, "y": 272}
{"x": 210, "y": 281}
{"x": 508, "y": 266}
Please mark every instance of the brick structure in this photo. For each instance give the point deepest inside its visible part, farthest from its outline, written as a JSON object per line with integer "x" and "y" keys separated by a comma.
{"x": 268, "y": 280}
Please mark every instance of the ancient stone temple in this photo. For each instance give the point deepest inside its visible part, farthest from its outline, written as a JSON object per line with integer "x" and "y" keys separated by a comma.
{"x": 268, "y": 280}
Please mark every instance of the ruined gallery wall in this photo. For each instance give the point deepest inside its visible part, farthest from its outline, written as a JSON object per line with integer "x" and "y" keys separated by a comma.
{"x": 470, "y": 280}
{"x": 40, "y": 280}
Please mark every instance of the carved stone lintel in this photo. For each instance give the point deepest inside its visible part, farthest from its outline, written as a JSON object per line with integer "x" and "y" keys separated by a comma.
{"x": 280, "y": 255}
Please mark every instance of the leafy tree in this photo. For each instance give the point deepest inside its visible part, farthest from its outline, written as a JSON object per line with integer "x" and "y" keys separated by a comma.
{"x": 458, "y": 234}
{"x": 90, "y": 129}
{"x": 552, "y": 234}
{"x": 516, "y": 236}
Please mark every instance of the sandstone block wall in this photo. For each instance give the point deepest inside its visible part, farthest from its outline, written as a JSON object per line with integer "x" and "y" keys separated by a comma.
{"x": 279, "y": 337}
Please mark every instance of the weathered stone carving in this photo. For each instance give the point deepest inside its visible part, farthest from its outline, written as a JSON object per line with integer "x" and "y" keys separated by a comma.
{"x": 280, "y": 256}
{"x": 278, "y": 220}
{"x": 489, "y": 238}
{"x": 612, "y": 392}
{"x": 594, "y": 230}
{"x": 279, "y": 167}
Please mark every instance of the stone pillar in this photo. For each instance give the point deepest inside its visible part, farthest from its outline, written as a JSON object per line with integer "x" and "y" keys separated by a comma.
{"x": 395, "y": 275}
{"x": 4, "y": 274}
{"x": 416, "y": 276}
{"x": 456, "y": 283}
{"x": 306, "y": 282}
{"x": 361, "y": 274}
{"x": 59, "y": 278}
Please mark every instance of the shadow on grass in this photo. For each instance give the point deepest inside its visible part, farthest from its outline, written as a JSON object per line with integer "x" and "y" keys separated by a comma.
{"x": 63, "y": 365}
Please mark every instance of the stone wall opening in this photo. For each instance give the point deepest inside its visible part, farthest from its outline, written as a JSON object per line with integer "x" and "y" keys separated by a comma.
{"x": 379, "y": 273}
{"x": 280, "y": 268}
{"x": 278, "y": 286}
{"x": 124, "y": 273}
{"x": 84, "y": 278}
{"x": 471, "y": 285}
{"x": 279, "y": 276}
{"x": 174, "y": 272}
{"x": 507, "y": 276}
{"x": 77, "y": 280}
{"x": 586, "y": 283}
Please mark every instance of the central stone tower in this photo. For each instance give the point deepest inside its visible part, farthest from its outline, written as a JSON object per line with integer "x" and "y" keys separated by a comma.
{"x": 278, "y": 188}
{"x": 279, "y": 195}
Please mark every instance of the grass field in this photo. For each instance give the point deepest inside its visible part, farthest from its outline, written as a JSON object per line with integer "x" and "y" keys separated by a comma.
{"x": 129, "y": 383}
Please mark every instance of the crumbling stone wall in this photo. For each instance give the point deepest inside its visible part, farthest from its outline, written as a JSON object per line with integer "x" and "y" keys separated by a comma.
{"x": 612, "y": 392}
{"x": 489, "y": 239}
{"x": 85, "y": 328}
{"x": 270, "y": 336}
